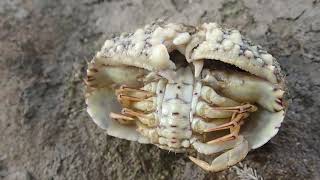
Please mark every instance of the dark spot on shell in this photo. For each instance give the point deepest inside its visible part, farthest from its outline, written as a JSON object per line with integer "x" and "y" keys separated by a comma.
{"x": 195, "y": 47}
{"x": 279, "y": 101}
{"x": 93, "y": 70}
{"x": 175, "y": 113}
{"x": 179, "y": 87}
{"x": 276, "y": 110}
{"x": 160, "y": 92}
{"x": 276, "y": 89}
{"x": 174, "y": 126}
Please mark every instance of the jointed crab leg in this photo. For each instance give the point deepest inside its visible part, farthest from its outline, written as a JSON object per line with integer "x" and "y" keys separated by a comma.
{"x": 137, "y": 92}
{"x": 121, "y": 118}
{"x": 236, "y": 153}
{"x": 207, "y": 111}
{"x": 235, "y": 121}
{"x": 147, "y": 119}
{"x": 138, "y": 99}
{"x": 212, "y": 97}
{"x": 238, "y": 109}
{"x": 122, "y": 97}
{"x": 234, "y": 126}
{"x": 245, "y": 88}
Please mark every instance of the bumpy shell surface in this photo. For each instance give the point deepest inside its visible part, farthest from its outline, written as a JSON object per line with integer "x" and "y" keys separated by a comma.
{"x": 148, "y": 49}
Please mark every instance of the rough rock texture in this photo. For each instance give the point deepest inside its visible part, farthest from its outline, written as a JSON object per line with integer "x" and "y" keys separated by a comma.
{"x": 44, "y": 46}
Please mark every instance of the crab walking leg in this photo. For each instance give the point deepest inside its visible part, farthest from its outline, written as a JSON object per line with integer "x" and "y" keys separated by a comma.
{"x": 245, "y": 88}
{"x": 147, "y": 119}
{"x": 200, "y": 126}
{"x": 139, "y": 93}
{"x": 205, "y": 110}
{"x": 210, "y": 96}
{"x": 145, "y": 105}
{"x": 235, "y": 121}
{"x": 234, "y": 126}
{"x": 142, "y": 99}
{"x": 237, "y": 152}
{"x": 234, "y": 132}
{"x": 121, "y": 118}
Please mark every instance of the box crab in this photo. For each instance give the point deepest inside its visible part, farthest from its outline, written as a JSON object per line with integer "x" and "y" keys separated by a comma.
{"x": 185, "y": 88}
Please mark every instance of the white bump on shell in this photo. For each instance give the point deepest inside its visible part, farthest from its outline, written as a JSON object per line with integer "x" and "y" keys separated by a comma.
{"x": 254, "y": 48}
{"x": 248, "y": 54}
{"x": 210, "y": 25}
{"x": 267, "y": 58}
{"x": 139, "y": 46}
{"x": 236, "y": 37}
{"x": 160, "y": 57}
{"x": 236, "y": 50}
{"x": 185, "y": 143}
{"x": 182, "y": 38}
{"x": 227, "y": 44}
{"x": 259, "y": 61}
{"x": 139, "y": 34}
{"x": 119, "y": 48}
{"x": 214, "y": 35}
{"x": 271, "y": 67}
{"x": 108, "y": 44}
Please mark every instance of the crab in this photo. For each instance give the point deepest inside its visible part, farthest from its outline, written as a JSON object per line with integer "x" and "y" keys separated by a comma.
{"x": 183, "y": 88}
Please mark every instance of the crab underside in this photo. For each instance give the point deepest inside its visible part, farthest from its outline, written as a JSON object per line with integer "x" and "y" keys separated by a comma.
{"x": 187, "y": 88}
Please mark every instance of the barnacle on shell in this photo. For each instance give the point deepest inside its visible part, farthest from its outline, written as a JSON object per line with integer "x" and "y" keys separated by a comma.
{"x": 182, "y": 87}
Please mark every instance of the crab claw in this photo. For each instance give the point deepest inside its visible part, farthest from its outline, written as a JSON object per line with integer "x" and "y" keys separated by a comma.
{"x": 226, "y": 159}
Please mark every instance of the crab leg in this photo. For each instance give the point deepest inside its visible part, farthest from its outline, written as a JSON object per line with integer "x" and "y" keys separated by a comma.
{"x": 210, "y": 96}
{"x": 200, "y": 126}
{"x": 145, "y": 105}
{"x": 234, "y": 132}
{"x": 245, "y": 88}
{"x": 235, "y": 120}
{"x": 136, "y": 92}
{"x": 140, "y": 99}
{"x": 147, "y": 119}
{"x": 121, "y": 118}
{"x": 136, "y": 98}
{"x": 233, "y": 125}
{"x": 237, "y": 152}
{"x": 206, "y": 111}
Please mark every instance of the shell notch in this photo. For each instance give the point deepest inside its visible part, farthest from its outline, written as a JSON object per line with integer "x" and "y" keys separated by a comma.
{"x": 221, "y": 95}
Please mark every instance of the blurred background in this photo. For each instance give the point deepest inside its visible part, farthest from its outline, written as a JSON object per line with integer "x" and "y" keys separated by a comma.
{"x": 45, "y": 133}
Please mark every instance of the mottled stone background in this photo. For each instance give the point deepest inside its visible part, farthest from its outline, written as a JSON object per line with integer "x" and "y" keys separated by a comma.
{"x": 46, "y": 134}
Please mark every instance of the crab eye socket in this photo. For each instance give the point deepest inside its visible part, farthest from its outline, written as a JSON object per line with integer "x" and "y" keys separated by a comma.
{"x": 178, "y": 59}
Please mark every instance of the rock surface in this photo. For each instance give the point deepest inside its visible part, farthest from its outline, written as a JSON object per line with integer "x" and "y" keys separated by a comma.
{"x": 44, "y": 46}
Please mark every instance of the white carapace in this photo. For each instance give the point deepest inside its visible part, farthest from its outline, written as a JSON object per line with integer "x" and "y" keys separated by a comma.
{"x": 139, "y": 90}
